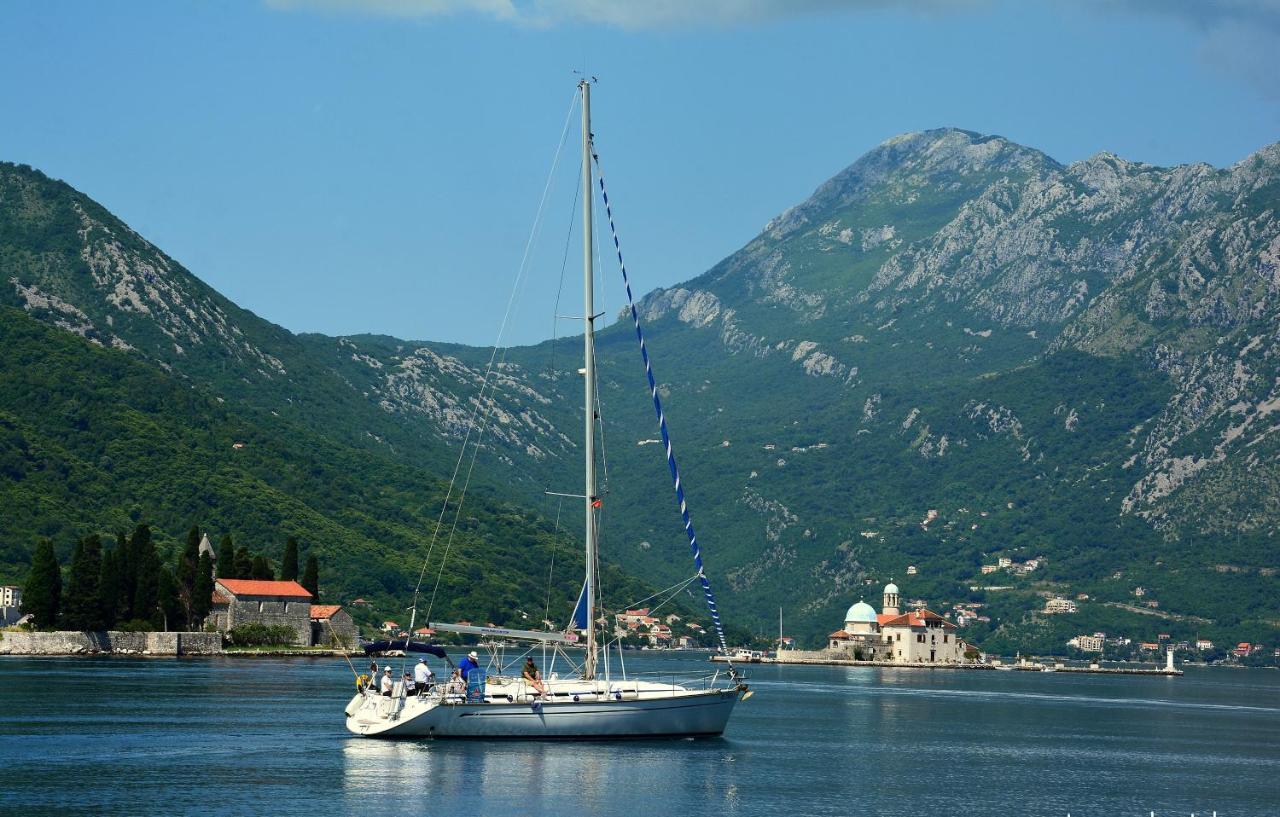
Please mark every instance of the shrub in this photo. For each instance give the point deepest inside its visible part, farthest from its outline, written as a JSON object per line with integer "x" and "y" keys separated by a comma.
{"x": 261, "y": 635}
{"x": 134, "y": 625}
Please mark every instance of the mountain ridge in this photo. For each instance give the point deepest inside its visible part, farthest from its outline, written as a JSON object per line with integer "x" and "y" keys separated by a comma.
{"x": 896, "y": 310}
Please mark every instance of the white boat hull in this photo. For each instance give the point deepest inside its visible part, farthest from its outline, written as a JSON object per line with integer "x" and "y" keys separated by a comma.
{"x": 679, "y": 713}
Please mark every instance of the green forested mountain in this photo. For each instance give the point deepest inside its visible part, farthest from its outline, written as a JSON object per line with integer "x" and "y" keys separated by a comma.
{"x": 92, "y": 439}
{"x": 958, "y": 349}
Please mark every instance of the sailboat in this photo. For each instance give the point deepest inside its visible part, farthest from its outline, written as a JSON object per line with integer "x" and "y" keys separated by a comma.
{"x": 593, "y": 701}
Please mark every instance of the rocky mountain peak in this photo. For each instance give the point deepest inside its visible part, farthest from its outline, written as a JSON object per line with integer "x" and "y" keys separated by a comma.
{"x": 918, "y": 158}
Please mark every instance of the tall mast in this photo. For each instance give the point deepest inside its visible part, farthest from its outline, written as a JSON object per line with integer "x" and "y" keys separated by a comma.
{"x": 589, "y": 380}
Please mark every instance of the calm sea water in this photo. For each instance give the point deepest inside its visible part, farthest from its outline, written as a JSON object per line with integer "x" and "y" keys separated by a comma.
{"x": 248, "y": 736}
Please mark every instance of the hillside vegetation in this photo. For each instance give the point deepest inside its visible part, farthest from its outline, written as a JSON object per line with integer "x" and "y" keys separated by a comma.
{"x": 957, "y": 349}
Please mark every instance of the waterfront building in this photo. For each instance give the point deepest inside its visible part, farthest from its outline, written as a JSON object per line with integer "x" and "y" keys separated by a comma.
{"x": 331, "y": 626}
{"x": 256, "y": 601}
{"x": 917, "y": 636}
{"x": 10, "y": 604}
{"x": 1204, "y": 644}
{"x": 1088, "y": 643}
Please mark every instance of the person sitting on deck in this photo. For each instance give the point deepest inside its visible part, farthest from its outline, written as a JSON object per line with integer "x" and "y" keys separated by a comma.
{"x": 408, "y": 686}
{"x": 469, "y": 663}
{"x": 455, "y": 685}
{"x": 387, "y": 683}
{"x": 422, "y": 676}
{"x": 532, "y": 677}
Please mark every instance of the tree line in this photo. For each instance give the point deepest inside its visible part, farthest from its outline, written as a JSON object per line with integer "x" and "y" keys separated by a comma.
{"x": 129, "y": 587}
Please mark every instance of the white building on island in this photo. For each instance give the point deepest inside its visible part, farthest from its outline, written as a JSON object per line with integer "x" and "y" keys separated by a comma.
{"x": 917, "y": 636}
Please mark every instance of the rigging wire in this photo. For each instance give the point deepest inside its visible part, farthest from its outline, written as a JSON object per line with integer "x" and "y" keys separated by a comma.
{"x": 564, "y": 264}
{"x": 662, "y": 424}
{"x": 546, "y": 615}
{"x": 485, "y": 381}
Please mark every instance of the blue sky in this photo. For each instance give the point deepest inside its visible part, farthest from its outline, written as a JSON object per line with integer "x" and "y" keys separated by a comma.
{"x": 349, "y": 166}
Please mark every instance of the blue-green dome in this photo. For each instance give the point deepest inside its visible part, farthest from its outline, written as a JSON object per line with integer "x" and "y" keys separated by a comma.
{"x": 891, "y": 588}
{"x": 861, "y": 613}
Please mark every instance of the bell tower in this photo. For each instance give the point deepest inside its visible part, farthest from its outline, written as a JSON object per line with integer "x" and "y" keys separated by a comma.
{"x": 892, "y": 606}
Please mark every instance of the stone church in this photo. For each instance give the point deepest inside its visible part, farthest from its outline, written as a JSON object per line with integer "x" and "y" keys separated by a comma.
{"x": 917, "y": 636}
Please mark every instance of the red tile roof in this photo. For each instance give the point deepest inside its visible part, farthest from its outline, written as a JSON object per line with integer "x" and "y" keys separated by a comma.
{"x": 218, "y": 598}
{"x": 914, "y": 619}
{"x": 323, "y": 611}
{"x": 839, "y": 634}
{"x": 261, "y": 587}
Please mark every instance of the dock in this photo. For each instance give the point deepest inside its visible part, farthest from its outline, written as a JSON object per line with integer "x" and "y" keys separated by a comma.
{"x": 820, "y": 658}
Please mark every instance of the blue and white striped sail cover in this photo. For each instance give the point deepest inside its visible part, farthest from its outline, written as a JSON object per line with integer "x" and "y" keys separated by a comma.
{"x": 580, "y": 611}
{"x": 662, "y": 421}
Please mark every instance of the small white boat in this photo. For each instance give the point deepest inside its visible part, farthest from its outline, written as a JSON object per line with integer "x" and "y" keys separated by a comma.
{"x": 594, "y": 703}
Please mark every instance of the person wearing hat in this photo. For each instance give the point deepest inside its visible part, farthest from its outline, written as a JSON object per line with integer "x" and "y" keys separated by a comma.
{"x": 469, "y": 663}
{"x": 387, "y": 683}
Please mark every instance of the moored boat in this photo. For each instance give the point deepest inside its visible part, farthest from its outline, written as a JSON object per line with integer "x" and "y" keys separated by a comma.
{"x": 591, "y": 701}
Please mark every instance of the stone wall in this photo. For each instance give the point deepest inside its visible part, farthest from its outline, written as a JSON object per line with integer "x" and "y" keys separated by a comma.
{"x": 270, "y": 611}
{"x": 339, "y": 631}
{"x": 112, "y": 642}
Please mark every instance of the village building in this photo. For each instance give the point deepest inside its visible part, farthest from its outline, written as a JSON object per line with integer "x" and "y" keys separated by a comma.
{"x": 1059, "y": 605}
{"x": 256, "y": 601}
{"x": 10, "y": 604}
{"x": 1089, "y": 643}
{"x": 331, "y": 626}
{"x": 917, "y": 636}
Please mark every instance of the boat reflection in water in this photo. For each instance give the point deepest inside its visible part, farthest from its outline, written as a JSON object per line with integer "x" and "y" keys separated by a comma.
{"x": 515, "y": 777}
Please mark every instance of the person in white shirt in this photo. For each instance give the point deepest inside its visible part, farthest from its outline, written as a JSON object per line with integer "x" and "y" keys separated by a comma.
{"x": 422, "y": 676}
{"x": 387, "y": 683}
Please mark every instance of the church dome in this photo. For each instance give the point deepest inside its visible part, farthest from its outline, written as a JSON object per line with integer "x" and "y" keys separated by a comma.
{"x": 861, "y": 613}
{"x": 891, "y": 588}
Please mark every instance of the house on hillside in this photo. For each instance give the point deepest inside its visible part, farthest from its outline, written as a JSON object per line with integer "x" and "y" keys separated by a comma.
{"x": 331, "y": 626}
{"x": 256, "y": 601}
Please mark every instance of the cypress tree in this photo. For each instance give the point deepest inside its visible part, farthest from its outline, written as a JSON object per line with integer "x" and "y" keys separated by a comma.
{"x": 169, "y": 613}
{"x": 82, "y": 607}
{"x": 311, "y": 578}
{"x": 186, "y": 571}
{"x": 261, "y": 569}
{"x": 109, "y": 587}
{"x": 244, "y": 563}
{"x": 226, "y": 558}
{"x": 202, "y": 593}
{"x": 146, "y": 563}
{"x": 128, "y": 578}
{"x": 289, "y": 565}
{"x": 42, "y": 594}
